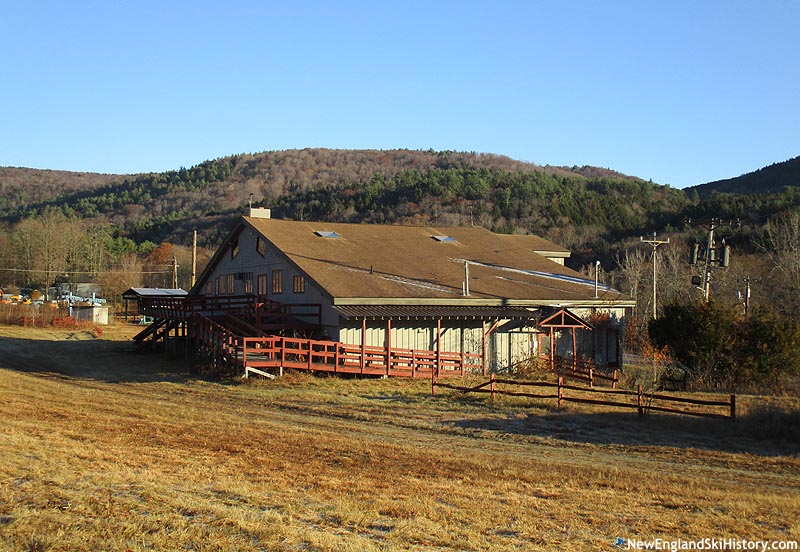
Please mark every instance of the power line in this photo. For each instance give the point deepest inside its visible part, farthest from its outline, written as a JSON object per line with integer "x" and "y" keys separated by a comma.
{"x": 75, "y": 272}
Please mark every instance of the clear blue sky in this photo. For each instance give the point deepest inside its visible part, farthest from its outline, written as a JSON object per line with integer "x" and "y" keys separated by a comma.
{"x": 680, "y": 92}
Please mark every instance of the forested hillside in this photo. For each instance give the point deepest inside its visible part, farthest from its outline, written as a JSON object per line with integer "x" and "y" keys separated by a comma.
{"x": 20, "y": 187}
{"x": 774, "y": 179}
{"x": 156, "y": 207}
{"x": 587, "y": 209}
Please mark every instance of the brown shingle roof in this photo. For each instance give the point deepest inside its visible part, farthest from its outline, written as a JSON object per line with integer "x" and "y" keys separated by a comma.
{"x": 373, "y": 263}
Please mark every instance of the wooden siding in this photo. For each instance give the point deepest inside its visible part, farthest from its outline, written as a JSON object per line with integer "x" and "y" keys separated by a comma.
{"x": 249, "y": 260}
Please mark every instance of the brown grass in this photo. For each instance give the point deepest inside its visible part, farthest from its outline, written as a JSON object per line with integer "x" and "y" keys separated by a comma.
{"x": 102, "y": 449}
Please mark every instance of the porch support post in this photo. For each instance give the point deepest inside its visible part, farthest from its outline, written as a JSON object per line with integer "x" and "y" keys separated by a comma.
{"x": 438, "y": 345}
{"x": 363, "y": 344}
{"x": 463, "y": 358}
{"x": 483, "y": 347}
{"x": 574, "y": 348}
{"x": 552, "y": 348}
{"x": 388, "y": 345}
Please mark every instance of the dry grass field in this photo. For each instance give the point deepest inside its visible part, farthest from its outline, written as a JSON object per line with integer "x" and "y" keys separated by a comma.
{"x": 105, "y": 449}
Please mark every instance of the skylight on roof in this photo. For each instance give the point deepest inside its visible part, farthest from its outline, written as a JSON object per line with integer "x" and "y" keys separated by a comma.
{"x": 444, "y": 238}
{"x": 324, "y": 234}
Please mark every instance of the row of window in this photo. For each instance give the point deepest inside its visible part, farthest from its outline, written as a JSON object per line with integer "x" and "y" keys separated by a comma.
{"x": 225, "y": 284}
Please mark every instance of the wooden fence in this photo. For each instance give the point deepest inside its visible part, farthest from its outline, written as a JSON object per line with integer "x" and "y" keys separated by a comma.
{"x": 618, "y": 398}
{"x": 584, "y": 371}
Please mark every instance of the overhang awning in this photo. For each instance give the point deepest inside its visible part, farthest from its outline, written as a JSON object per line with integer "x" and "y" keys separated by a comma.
{"x": 433, "y": 312}
{"x": 138, "y": 293}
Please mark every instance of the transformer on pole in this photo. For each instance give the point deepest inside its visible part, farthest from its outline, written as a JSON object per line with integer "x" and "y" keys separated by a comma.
{"x": 711, "y": 254}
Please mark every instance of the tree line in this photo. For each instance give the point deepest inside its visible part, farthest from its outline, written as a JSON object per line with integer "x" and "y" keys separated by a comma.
{"x": 52, "y": 247}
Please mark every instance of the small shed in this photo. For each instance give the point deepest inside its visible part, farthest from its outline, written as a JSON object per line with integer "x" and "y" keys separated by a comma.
{"x": 94, "y": 314}
{"x": 134, "y": 295}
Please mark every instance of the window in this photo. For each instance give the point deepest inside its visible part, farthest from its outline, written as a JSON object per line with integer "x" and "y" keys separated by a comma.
{"x": 262, "y": 284}
{"x": 299, "y": 284}
{"x": 209, "y": 287}
{"x": 247, "y": 282}
{"x": 277, "y": 281}
{"x": 234, "y": 247}
{"x": 225, "y": 284}
{"x": 261, "y": 246}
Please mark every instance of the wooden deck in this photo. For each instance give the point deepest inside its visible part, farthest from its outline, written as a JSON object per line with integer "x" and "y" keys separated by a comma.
{"x": 239, "y": 335}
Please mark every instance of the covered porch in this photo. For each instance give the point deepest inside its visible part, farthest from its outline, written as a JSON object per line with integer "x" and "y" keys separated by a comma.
{"x": 489, "y": 339}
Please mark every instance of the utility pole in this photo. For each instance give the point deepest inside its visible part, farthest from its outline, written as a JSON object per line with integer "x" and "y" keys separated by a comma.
{"x": 194, "y": 256}
{"x": 596, "y": 278}
{"x": 711, "y": 257}
{"x": 654, "y": 243}
{"x": 174, "y": 273}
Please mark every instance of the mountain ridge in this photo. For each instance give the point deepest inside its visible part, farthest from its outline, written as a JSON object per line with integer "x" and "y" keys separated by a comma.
{"x": 772, "y": 179}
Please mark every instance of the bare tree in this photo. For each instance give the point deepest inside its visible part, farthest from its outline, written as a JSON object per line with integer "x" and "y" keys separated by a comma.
{"x": 780, "y": 241}
{"x": 126, "y": 274}
{"x": 41, "y": 247}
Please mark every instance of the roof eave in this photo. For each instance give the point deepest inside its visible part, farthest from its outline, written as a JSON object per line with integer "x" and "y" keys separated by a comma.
{"x": 484, "y": 302}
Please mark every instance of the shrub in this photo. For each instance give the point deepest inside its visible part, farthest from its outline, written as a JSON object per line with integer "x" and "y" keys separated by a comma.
{"x": 724, "y": 350}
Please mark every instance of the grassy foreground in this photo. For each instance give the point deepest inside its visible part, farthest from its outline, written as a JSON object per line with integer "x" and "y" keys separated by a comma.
{"x": 103, "y": 449}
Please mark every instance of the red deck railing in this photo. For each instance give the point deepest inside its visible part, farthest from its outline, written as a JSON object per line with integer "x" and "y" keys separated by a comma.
{"x": 332, "y": 356}
{"x": 263, "y": 311}
{"x": 279, "y": 352}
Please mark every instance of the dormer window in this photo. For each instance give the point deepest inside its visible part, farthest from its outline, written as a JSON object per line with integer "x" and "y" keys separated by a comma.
{"x": 325, "y": 234}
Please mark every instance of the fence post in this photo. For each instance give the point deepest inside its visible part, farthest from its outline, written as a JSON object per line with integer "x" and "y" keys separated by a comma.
{"x": 493, "y": 387}
{"x": 560, "y": 391}
{"x": 733, "y": 407}
{"x": 433, "y": 382}
{"x": 639, "y": 401}
{"x": 591, "y": 377}
{"x": 614, "y": 381}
